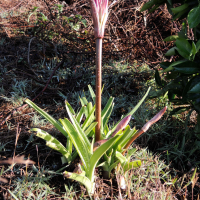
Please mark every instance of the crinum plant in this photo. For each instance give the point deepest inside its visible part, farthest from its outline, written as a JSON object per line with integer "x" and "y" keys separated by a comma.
{"x": 93, "y": 140}
{"x": 99, "y": 9}
{"x": 106, "y": 153}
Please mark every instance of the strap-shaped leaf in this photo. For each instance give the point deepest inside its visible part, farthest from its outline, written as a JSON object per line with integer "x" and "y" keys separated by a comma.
{"x": 123, "y": 135}
{"x": 126, "y": 137}
{"x": 92, "y": 93}
{"x": 107, "y": 106}
{"x": 106, "y": 117}
{"x": 80, "y": 114}
{"x": 89, "y": 107}
{"x": 134, "y": 109}
{"x": 82, "y": 179}
{"x": 130, "y": 153}
{"x": 111, "y": 167}
{"x": 139, "y": 103}
{"x": 78, "y": 142}
{"x": 77, "y": 127}
{"x": 122, "y": 159}
{"x": 69, "y": 145}
{"x": 89, "y": 119}
{"x": 71, "y": 109}
{"x": 84, "y": 101}
{"x": 90, "y": 128}
{"x": 48, "y": 117}
{"x": 52, "y": 142}
{"x": 98, "y": 154}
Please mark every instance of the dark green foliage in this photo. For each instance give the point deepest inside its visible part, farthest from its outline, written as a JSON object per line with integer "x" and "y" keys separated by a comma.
{"x": 182, "y": 76}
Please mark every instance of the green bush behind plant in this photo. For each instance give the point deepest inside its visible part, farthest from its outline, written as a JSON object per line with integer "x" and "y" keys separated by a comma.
{"x": 181, "y": 77}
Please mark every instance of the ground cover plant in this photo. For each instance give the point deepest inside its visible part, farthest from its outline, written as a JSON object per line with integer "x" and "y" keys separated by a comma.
{"x": 126, "y": 80}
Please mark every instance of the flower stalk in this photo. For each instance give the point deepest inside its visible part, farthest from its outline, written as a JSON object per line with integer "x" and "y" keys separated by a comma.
{"x": 99, "y": 9}
{"x": 98, "y": 88}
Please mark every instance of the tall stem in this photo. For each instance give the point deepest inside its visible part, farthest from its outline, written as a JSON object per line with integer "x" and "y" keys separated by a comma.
{"x": 98, "y": 88}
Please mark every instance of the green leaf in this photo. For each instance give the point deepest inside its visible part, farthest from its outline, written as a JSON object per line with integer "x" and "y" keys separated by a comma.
{"x": 80, "y": 114}
{"x": 165, "y": 65}
{"x": 78, "y": 142}
{"x": 134, "y": 109}
{"x": 89, "y": 119}
{"x": 194, "y": 49}
{"x": 171, "y": 38}
{"x": 181, "y": 14}
{"x": 184, "y": 47}
{"x": 198, "y": 45}
{"x": 195, "y": 89}
{"x": 170, "y": 2}
{"x": 98, "y": 154}
{"x": 179, "y": 8}
{"x": 171, "y": 51}
{"x": 139, "y": 103}
{"x": 69, "y": 145}
{"x": 127, "y": 136}
{"x": 112, "y": 166}
{"x": 53, "y": 121}
{"x": 106, "y": 114}
{"x": 147, "y": 5}
{"x": 183, "y": 32}
{"x": 122, "y": 136}
{"x": 44, "y": 17}
{"x": 52, "y": 142}
{"x": 171, "y": 66}
{"x": 90, "y": 128}
{"x": 122, "y": 159}
{"x": 154, "y": 8}
{"x": 107, "y": 106}
{"x": 92, "y": 93}
{"x": 71, "y": 109}
{"x": 77, "y": 127}
{"x": 191, "y": 96}
{"x": 84, "y": 22}
{"x": 89, "y": 108}
{"x": 130, "y": 153}
{"x": 187, "y": 67}
{"x": 83, "y": 101}
{"x": 194, "y": 17}
{"x": 81, "y": 179}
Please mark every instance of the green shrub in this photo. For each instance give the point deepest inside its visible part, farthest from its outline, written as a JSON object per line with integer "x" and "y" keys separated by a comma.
{"x": 181, "y": 78}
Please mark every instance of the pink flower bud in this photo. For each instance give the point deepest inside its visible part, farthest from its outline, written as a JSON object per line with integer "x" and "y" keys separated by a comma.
{"x": 99, "y": 9}
{"x": 122, "y": 124}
